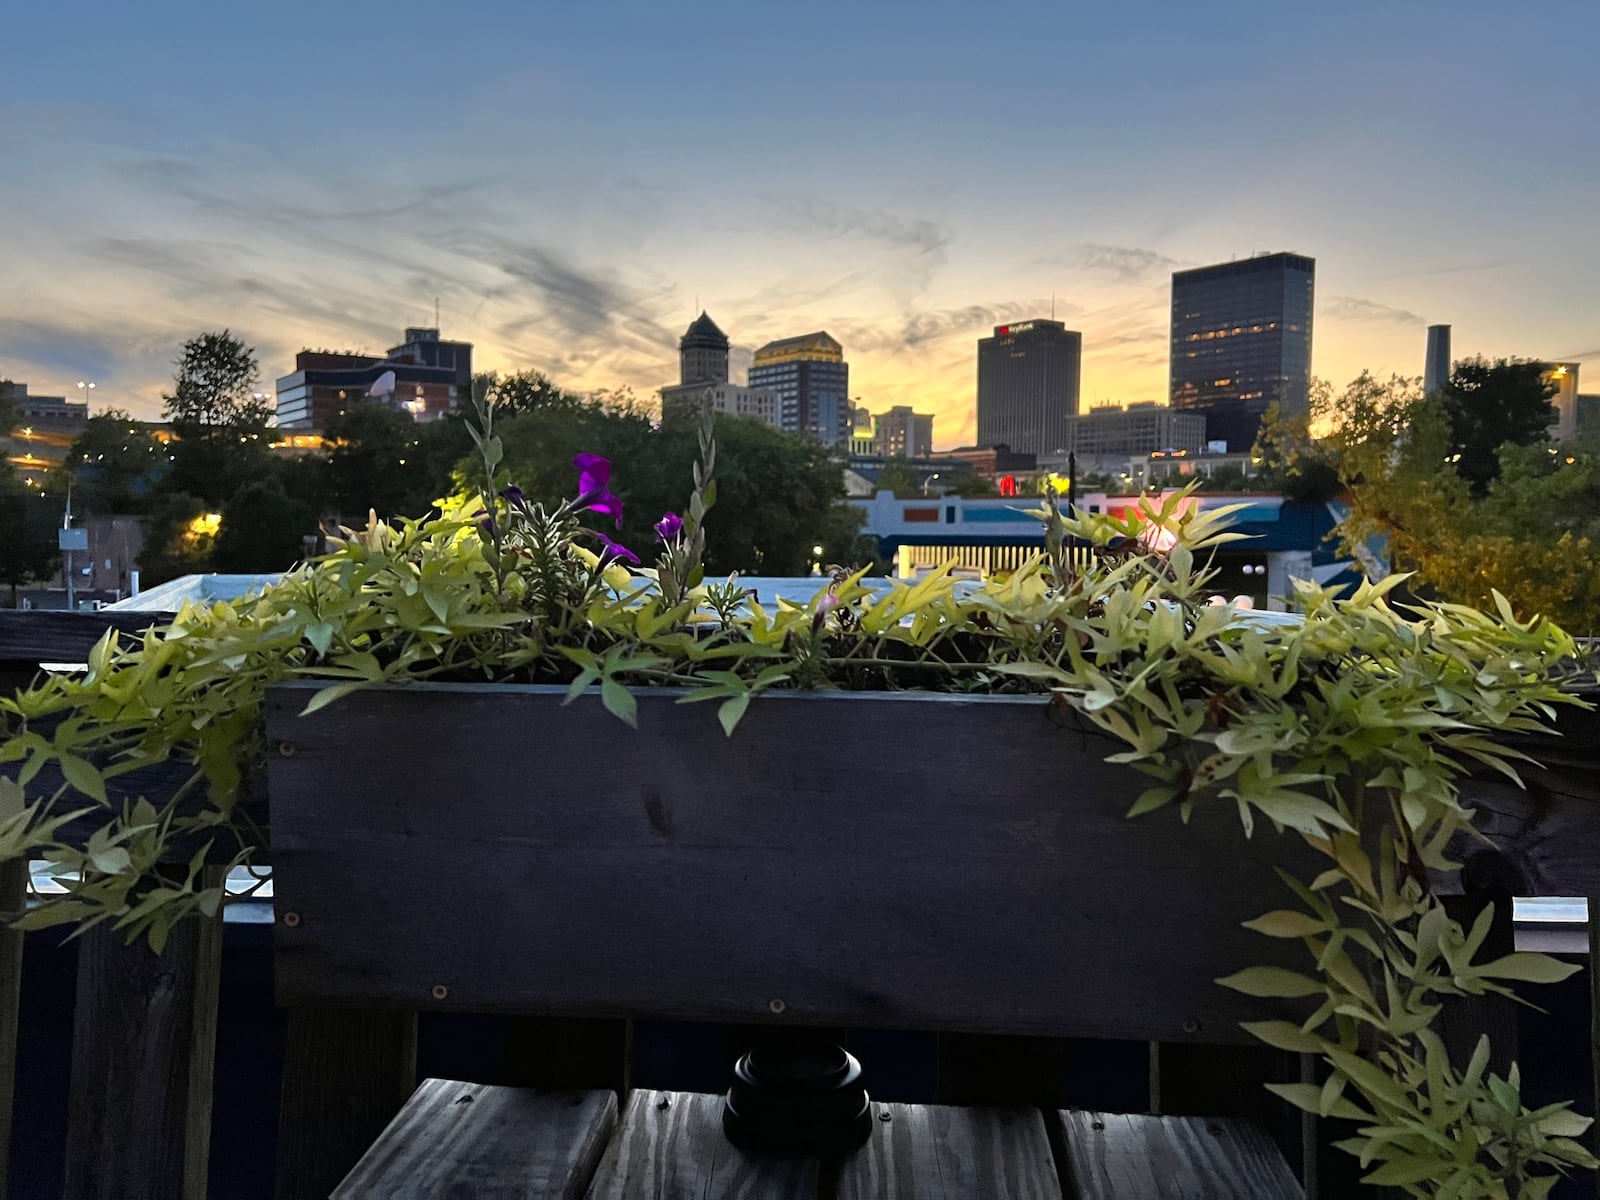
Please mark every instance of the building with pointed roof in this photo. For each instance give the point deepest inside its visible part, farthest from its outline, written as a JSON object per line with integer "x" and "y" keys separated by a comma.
{"x": 703, "y": 352}
{"x": 703, "y": 377}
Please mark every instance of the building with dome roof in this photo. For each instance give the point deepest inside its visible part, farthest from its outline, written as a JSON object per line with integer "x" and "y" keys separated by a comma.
{"x": 703, "y": 375}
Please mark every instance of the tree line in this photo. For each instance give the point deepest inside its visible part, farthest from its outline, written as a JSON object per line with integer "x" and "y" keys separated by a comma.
{"x": 1465, "y": 487}
{"x": 214, "y": 495}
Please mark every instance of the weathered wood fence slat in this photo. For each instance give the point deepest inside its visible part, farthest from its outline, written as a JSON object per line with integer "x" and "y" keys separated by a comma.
{"x": 13, "y": 892}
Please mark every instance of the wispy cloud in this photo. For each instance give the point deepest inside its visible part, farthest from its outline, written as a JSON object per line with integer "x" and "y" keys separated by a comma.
{"x": 1355, "y": 308}
{"x": 914, "y": 331}
{"x": 1127, "y": 264}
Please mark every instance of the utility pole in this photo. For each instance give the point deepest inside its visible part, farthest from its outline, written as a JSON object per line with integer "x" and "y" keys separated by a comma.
{"x": 66, "y": 526}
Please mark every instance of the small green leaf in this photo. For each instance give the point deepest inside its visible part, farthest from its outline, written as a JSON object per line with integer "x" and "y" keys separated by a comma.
{"x": 731, "y": 711}
{"x": 619, "y": 702}
{"x": 1276, "y": 982}
{"x": 83, "y": 775}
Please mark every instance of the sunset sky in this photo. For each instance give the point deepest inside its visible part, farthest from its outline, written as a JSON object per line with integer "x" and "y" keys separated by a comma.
{"x": 570, "y": 181}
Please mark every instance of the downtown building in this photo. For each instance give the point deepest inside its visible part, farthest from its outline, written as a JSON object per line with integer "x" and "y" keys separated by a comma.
{"x": 1114, "y": 433}
{"x": 432, "y": 376}
{"x": 1028, "y": 377}
{"x": 811, "y": 381}
{"x": 703, "y": 376}
{"x": 902, "y": 433}
{"x": 1241, "y": 341}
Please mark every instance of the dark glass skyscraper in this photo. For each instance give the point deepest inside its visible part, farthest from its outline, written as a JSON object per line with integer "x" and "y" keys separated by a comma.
{"x": 1241, "y": 339}
{"x": 1028, "y": 376}
{"x": 811, "y": 380}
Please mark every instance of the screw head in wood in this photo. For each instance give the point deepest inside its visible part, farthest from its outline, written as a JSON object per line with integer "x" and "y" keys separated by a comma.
{"x": 286, "y": 749}
{"x": 777, "y": 1006}
{"x": 440, "y": 991}
{"x": 885, "y": 1115}
{"x": 1191, "y": 1026}
{"x": 291, "y": 919}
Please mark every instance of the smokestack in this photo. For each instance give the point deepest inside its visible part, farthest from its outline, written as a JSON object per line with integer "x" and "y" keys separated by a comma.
{"x": 1436, "y": 370}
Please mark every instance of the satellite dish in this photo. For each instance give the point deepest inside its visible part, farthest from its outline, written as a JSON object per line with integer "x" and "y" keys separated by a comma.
{"x": 383, "y": 385}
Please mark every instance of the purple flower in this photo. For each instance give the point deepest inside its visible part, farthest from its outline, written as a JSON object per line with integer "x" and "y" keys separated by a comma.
{"x": 611, "y": 552}
{"x": 669, "y": 527}
{"x": 485, "y": 521}
{"x": 594, "y": 472}
{"x": 825, "y": 605}
{"x": 602, "y": 501}
{"x": 514, "y": 494}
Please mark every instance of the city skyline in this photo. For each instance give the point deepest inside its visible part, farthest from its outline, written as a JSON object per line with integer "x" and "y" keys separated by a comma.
{"x": 573, "y": 207}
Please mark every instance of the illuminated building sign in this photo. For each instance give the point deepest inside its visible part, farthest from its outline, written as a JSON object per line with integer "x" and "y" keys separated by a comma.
{"x": 1007, "y": 330}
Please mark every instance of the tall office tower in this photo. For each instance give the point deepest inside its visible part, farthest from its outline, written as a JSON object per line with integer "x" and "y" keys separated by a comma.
{"x": 1028, "y": 377}
{"x": 812, "y": 382}
{"x": 1436, "y": 367}
{"x": 1241, "y": 339}
{"x": 703, "y": 353}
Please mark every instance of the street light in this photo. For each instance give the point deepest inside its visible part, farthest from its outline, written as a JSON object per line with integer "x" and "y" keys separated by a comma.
{"x": 927, "y": 481}
{"x": 85, "y": 387}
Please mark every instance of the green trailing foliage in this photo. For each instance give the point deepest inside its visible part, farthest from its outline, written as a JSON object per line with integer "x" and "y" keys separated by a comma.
{"x": 1347, "y": 730}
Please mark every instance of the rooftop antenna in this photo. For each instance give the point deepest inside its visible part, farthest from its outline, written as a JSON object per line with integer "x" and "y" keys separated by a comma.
{"x": 436, "y": 312}
{"x": 1052, "y": 306}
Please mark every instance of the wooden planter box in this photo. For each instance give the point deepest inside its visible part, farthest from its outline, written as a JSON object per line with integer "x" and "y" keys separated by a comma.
{"x": 887, "y": 860}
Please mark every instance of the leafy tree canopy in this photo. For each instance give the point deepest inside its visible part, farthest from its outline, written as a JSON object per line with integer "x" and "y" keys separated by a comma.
{"x": 262, "y": 530}
{"x": 776, "y": 493}
{"x": 1530, "y": 530}
{"x": 115, "y": 463}
{"x": 1492, "y": 404}
{"x": 28, "y": 524}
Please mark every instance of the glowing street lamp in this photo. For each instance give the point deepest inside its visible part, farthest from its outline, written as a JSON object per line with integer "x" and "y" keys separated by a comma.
{"x": 85, "y": 386}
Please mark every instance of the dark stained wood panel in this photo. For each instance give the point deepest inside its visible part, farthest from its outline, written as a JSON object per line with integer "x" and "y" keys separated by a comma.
{"x": 1109, "y": 1156}
{"x": 38, "y": 636}
{"x": 346, "y": 1073}
{"x": 935, "y": 1152}
{"x": 469, "y": 1141}
{"x": 670, "y": 1146}
{"x": 910, "y": 861}
{"x": 13, "y": 895}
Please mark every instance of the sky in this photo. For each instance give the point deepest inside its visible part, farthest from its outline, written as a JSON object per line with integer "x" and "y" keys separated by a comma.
{"x": 573, "y": 183}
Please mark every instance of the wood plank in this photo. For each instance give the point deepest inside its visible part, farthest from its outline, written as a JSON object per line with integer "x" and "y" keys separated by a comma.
{"x": 346, "y": 1073}
{"x": 935, "y": 1152}
{"x": 487, "y": 1143}
{"x": 670, "y": 1146}
{"x": 133, "y": 1026}
{"x": 13, "y": 895}
{"x": 1109, "y": 1156}
{"x": 653, "y": 885}
{"x": 40, "y": 635}
{"x": 203, "y": 1045}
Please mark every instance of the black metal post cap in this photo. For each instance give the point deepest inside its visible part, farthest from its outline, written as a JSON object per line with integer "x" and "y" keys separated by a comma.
{"x": 799, "y": 1099}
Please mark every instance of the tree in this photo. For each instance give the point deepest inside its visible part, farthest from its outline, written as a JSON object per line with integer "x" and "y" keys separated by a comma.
{"x": 115, "y": 463}
{"x": 1492, "y": 404}
{"x": 524, "y": 391}
{"x": 179, "y": 530}
{"x": 28, "y": 524}
{"x": 374, "y": 462}
{"x": 1530, "y": 533}
{"x": 221, "y": 426}
{"x": 897, "y": 475}
{"x": 775, "y": 491}
{"x": 263, "y": 530}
